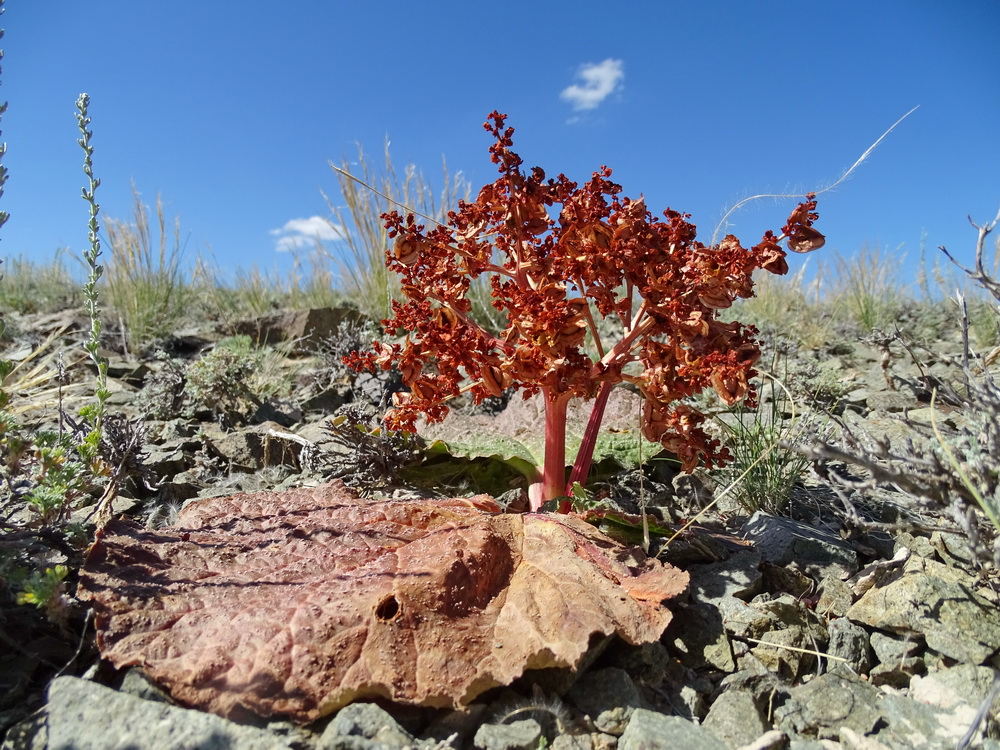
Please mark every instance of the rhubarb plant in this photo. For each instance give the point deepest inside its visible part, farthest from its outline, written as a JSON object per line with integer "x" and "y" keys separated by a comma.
{"x": 557, "y": 256}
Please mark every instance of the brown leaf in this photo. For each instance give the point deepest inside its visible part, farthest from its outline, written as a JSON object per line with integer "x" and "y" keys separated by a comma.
{"x": 300, "y": 602}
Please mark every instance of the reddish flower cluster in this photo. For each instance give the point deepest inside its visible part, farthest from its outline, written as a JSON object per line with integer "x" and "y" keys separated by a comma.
{"x": 557, "y": 256}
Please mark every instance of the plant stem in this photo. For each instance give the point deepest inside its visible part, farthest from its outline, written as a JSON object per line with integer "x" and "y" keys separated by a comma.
{"x": 553, "y": 482}
{"x": 585, "y": 456}
{"x": 640, "y": 326}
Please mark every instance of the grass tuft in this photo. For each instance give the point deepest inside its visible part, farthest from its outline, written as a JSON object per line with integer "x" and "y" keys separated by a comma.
{"x": 146, "y": 284}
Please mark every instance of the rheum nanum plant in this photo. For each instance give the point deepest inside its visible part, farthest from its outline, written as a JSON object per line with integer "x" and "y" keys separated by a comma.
{"x": 557, "y": 255}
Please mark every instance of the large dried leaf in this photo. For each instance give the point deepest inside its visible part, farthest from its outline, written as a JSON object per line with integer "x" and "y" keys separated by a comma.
{"x": 299, "y": 602}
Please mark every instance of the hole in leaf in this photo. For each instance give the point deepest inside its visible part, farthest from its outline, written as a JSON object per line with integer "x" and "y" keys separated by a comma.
{"x": 387, "y": 609}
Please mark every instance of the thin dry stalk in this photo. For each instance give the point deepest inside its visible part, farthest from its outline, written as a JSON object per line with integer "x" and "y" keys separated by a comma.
{"x": 861, "y": 159}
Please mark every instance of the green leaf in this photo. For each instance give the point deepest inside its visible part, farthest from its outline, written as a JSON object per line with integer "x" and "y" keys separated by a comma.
{"x": 497, "y": 447}
{"x": 625, "y": 447}
{"x": 465, "y": 475}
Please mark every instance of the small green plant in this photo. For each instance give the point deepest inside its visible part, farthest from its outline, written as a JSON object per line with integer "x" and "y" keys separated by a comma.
{"x": 219, "y": 381}
{"x": 42, "y": 587}
{"x": 234, "y": 379}
{"x": 95, "y": 412}
{"x": 162, "y": 392}
{"x": 45, "y": 589}
{"x": 4, "y": 216}
{"x": 761, "y": 442}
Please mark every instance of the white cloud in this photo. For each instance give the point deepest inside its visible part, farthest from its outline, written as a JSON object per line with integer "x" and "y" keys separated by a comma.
{"x": 305, "y": 233}
{"x": 599, "y": 81}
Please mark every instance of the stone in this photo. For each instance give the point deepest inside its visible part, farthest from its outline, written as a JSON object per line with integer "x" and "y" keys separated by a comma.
{"x": 171, "y": 457}
{"x": 574, "y": 742}
{"x": 928, "y": 416}
{"x": 743, "y": 620}
{"x": 308, "y": 328}
{"x": 851, "y": 740}
{"x": 953, "y": 549}
{"x": 609, "y": 697}
{"x": 783, "y": 541}
{"x": 787, "y": 579}
{"x": 739, "y": 577}
{"x": 856, "y": 397}
{"x": 735, "y": 718}
{"x": 683, "y": 692}
{"x": 518, "y": 735}
{"x": 83, "y": 715}
{"x": 890, "y": 648}
{"x": 257, "y": 447}
{"x": 28, "y": 734}
{"x": 917, "y": 725}
{"x": 820, "y": 707}
{"x": 363, "y": 721}
{"x": 456, "y": 728}
{"x": 787, "y": 652}
{"x": 851, "y": 643}
{"x": 835, "y": 597}
{"x": 649, "y": 730}
{"x": 697, "y": 635}
{"x": 918, "y": 545}
{"x": 775, "y": 739}
{"x": 138, "y": 684}
{"x": 932, "y": 599}
{"x": 966, "y": 682}
{"x": 647, "y": 663}
{"x": 897, "y": 674}
{"x": 890, "y": 401}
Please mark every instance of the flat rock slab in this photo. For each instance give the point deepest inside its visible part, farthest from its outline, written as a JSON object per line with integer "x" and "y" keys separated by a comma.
{"x": 927, "y": 598}
{"x": 782, "y": 541}
{"x": 649, "y": 730}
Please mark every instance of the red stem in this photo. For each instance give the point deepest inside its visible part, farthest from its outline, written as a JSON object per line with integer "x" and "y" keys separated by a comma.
{"x": 553, "y": 482}
{"x": 585, "y": 456}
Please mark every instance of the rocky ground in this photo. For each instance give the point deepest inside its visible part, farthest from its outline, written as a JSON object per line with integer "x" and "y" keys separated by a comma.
{"x": 863, "y": 620}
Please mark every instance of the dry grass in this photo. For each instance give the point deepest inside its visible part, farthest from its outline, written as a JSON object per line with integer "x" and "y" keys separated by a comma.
{"x": 255, "y": 292}
{"x": 34, "y": 380}
{"x": 362, "y": 273}
{"x": 145, "y": 282}
{"x": 869, "y": 283}
{"x": 30, "y": 287}
{"x": 800, "y": 298}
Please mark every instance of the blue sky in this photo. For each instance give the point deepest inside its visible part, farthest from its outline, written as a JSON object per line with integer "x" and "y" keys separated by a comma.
{"x": 232, "y": 111}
